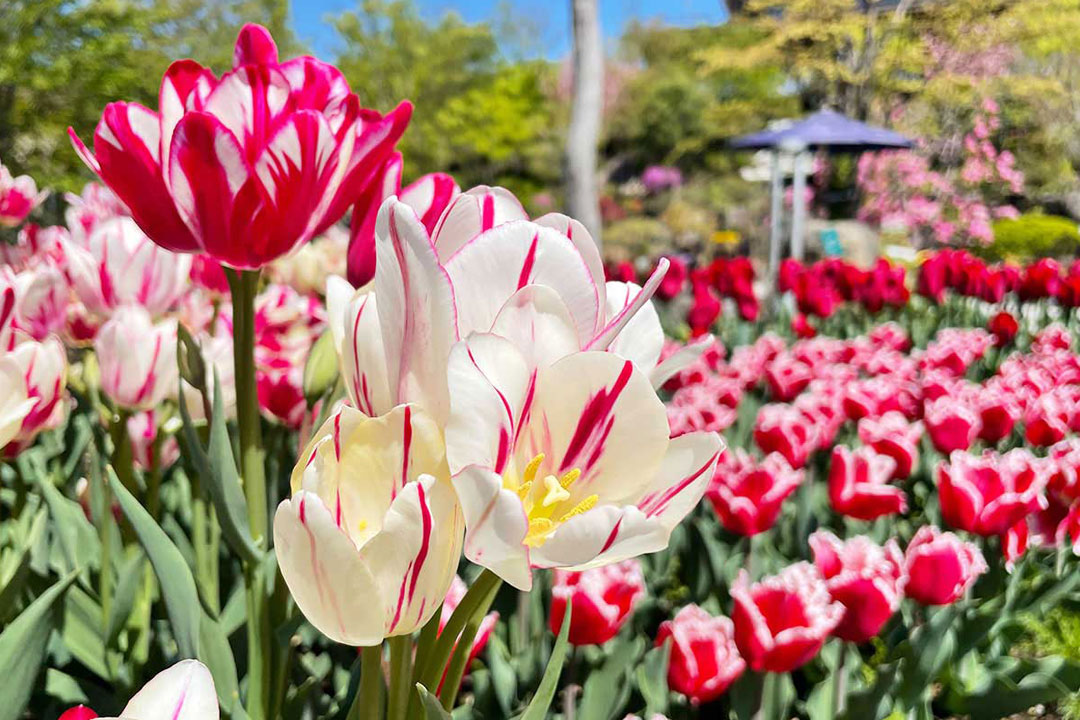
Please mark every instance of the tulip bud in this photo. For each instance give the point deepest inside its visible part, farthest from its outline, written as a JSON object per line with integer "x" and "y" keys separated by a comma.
{"x": 782, "y": 621}
{"x": 866, "y": 578}
{"x": 321, "y": 368}
{"x": 79, "y": 712}
{"x": 940, "y": 566}
{"x": 603, "y": 600}
{"x": 137, "y": 358}
{"x": 704, "y": 660}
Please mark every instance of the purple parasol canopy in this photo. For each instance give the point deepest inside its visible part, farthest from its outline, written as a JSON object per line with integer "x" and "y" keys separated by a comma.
{"x": 826, "y": 130}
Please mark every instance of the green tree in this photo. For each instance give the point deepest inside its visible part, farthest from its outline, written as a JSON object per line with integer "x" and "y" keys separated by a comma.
{"x": 62, "y": 61}
{"x": 477, "y": 114}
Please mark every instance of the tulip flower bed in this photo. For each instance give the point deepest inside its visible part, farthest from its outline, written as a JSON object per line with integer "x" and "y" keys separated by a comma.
{"x": 259, "y": 467}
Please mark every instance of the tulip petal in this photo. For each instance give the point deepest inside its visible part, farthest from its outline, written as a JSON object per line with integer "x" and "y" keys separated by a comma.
{"x": 490, "y": 385}
{"x": 416, "y": 310}
{"x": 326, "y": 575}
{"x": 339, "y": 294}
{"x": 184, "y": 691}
{"x": 358, "y": 465}
{"x": 429, "y": 196}
{"x": 473, "y": 212}
{"x": 601, "y": 536}
{"x": 496, "y": 525}
{"x": 642, "y": 339}
{"x": 582, "y": 239}
{"x": 607, "y": 335}
{"x": 254, "y": 46}
{"x": 593, "y": 412}
{"x": 494, "y": 265}
{"x": 14, "y": 403}
{"x": 683, "y": 477}
{"x": 185, "y": 86}
{"x": 415, "y": 557}
{"x": 538, "y": 323}
{"x": 363, "y": 357}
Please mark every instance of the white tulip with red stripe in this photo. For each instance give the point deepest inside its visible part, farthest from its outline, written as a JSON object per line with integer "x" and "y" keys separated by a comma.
{"x": 44, "y": 374}
{"x": 137, "y": 359}
{"x": 15, "y": 403}
{"x": 370, "y": 540}
{"x": 567, "y": 465}
{"x": 184, "y": 691}
{"x": 120, "y": 265}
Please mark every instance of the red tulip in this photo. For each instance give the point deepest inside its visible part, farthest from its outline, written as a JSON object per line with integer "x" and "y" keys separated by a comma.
{"x": 747, "y": 495}
{"x": 859, "y": 484}
{"x": 603, "y": 599}
{"x": 1042, "y": 279}
{"x": 704, "y": 660}
{"x": 940, "y": 566}
{"x": 1004, "y": 327}
{"x": 951, "y": 424}
{"x": 802, "y": 327}
{"x": 673, "y": 282}
{"x": 864, "y": 577}
{"x": 786, "y": 430}
{"x": 987, "y": 495}
{"x": 79, "y": 712}
{"x": 782, "y": 621}
{"x": 932, "y": 278}
{"x": 246, "y": 167}
{"x": 386, "y": 181}
{"x": 998, "y": 414}
{"x": 1047, "y": 419}
{"x": 892, "y": 435}
{"x": 704, "y": 311}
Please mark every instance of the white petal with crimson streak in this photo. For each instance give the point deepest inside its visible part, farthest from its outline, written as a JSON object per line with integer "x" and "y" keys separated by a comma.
{"x": 326, "y": 576}
{"x": 604, "y": 535}
{"x": 495, "y": 525}
{"x": 538, "y": 323}
{"x": 184, "y": 691}
{"x": 642, "y": 339}
{"x": 415, "y": 557}
{"x": 489, "y": 381}
{"x": 683, "y": 477}
{"x": 488, "y": 270}
{"x": 471, "y": 213}
{"x": 416, "y": 310}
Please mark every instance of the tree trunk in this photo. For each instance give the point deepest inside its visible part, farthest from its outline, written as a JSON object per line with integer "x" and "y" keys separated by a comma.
{"x": 585, "y": 114}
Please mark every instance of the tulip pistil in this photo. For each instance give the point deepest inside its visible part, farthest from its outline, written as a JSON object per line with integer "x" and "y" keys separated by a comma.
{"x": 547, "y": 502}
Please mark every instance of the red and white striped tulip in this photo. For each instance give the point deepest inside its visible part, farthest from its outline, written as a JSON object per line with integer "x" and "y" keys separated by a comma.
{"x": 120, "y": 266}
{"x": 248, "y": 166}
{"x": 184, "y": 691}
{"x": 567, "y": 465}
{"x": 137, "y": 359}
{"x": 370, "y": 540}
{"x": 15, "y": 402}
{"x": 43, "y": 367}
{"x": 18, "y": 197}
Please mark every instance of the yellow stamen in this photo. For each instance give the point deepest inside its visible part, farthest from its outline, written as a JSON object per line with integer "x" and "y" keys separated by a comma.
{"x": 584, "y": 506}
{"x": 530, "y": 470}
{"x": 523, "y": 491}
{"x": 570, "y": 478}
{"x": 556, "y": 492}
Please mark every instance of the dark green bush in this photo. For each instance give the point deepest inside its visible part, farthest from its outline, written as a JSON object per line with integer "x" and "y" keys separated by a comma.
{"x": 1033, "y": 236}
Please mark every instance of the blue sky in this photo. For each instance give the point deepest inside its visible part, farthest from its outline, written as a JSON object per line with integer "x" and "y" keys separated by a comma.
{"x": 551, "y": 18}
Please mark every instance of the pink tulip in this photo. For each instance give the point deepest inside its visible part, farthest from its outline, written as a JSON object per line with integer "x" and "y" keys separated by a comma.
{"x": 704, "y": 661}
{"x": 940, "y": 566}
{"x": 951, "y": 424}
{"x": 784, "y": 429}
{"x": 747, "y": 495}
{"x": 244, "y": 167}
{"x": 859, "y": 484}
{"x": 988, "y": 495}
{"x": 18, "y": 197}
{"x": 892, "y": 435}
{"x": 782, "y": 621}
{"x": 603, "y": 600}
{"x": 864, "y": 577}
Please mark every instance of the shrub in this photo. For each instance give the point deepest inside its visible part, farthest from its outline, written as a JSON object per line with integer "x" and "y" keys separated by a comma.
{"x": 1033, "y": 235}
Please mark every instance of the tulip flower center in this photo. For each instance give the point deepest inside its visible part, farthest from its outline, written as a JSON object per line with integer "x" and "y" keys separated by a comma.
{"x": 547, "y": 499}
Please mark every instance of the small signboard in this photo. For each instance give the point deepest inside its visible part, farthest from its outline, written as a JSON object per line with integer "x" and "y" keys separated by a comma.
{"x": 830, "y": 243}
{"x": 726, "y": 237}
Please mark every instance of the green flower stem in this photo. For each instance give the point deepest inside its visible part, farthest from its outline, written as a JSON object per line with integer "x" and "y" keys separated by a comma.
{"x": 401, "y": 685}
{"x": 768, "y": 689}
{"x": 459, "y": 661}
{"x": 482, "y": 591}
{"x": 424, "y": 645}
{"x": 368, "y": 702}
{"x": 244, "y": 285}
